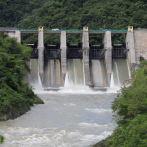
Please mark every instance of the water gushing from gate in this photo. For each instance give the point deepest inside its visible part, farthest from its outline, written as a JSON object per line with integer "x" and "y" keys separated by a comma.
{"x": 120, "y": 73}
{"x": 75, "y": 78}
{"x": 34, "y": 77}
{"x": 75, "y": 73}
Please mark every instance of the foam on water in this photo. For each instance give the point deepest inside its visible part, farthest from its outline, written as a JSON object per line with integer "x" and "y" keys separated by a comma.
{"x": 70, "y": 104}
{"x": 65, "y": 120}
{"x": 59, "y": 138}
{"x": 72, "y": 90}
{"x": 98, "y": 110}
{"x": 75, "y": 89}
{"x": 92, "y": 125}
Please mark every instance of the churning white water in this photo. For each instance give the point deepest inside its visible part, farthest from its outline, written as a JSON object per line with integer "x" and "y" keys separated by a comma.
{"x": 65, "y": 120}
{"x": 75, "y": 116}
{"x": 74, "y": 79}
{"x": 75, "y": 73}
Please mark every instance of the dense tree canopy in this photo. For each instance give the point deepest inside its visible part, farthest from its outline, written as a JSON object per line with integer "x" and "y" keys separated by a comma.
{"x": 73, "y": 14}
{"x": 12, "y": 12}
{"x": 15, "y": 95}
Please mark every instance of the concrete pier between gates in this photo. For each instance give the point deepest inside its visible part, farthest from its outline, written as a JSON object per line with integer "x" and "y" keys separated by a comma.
{"x": 85, "y": 41}
{"x": 63, "y": 55}
{"x": 41, "y": 52}
{"x": 108, "y": 55}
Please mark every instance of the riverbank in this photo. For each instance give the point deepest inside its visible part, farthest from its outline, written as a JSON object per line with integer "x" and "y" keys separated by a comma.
{"x": 102, "y": 143}
{"x": 1, "y": 138}
{"x": 14, "y": 112}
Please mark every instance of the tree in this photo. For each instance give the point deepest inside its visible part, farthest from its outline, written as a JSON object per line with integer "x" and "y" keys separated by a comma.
{"x": 16, "y": 97}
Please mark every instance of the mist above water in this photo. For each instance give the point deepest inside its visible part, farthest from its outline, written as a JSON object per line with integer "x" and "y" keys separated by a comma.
{"x": 75, "y": 78}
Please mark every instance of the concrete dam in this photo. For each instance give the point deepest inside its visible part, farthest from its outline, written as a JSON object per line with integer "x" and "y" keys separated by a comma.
{"x": 83, "y": 64}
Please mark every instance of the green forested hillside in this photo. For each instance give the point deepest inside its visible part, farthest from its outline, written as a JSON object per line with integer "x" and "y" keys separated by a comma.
{"x": 12, "y": 11}
{"x": 74, "y": 14}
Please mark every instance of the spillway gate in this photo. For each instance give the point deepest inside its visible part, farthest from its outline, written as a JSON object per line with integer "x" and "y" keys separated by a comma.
{"x": 74, "y": 51}
{"x": 97, "y": 51}
{"x": 52, "y": 51}
{"x": 34, "y": 53}
{"x": 119, "y": 51}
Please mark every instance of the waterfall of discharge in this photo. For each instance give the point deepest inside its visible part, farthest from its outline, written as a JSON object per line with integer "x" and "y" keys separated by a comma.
{"x": 75, "y": 78}
{"x": 98, "y": 73}
{"x": 120, "y": 73}
{"x": 34, "y": 77}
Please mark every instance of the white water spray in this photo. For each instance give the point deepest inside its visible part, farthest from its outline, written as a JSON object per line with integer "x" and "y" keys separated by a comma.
{"x": 34, "y": 76}
{"x": 75, "y": 78}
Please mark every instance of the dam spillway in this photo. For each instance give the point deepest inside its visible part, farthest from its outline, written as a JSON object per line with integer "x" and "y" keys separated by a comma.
{"x": 98, "y": 73}
{"x": 33, "y": 77}
{"x": 135, "y": 46}
{"x": 121, "y": 72}
{"x": 75, "y": 73}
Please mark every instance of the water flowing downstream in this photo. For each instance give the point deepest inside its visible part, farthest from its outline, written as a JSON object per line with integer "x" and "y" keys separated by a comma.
{"x": 74, "y": 116}
{"x": 65, "y": 120}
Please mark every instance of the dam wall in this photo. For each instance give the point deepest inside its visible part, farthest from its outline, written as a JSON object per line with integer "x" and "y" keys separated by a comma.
{"x": 97, "y": 73}
{"x": 52, "y": 76}
{"x": 63, "y": 55}
{"x": 140, "y": 43}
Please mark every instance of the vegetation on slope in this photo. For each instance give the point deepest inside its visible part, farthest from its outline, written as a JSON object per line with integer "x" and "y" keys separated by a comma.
{"x": 12, "y": 12}
{"x": 74, "y": 14}
{"x": 16, "y": 97}
{"x": 131, "y": 113}
{"x": 1, "y": 139}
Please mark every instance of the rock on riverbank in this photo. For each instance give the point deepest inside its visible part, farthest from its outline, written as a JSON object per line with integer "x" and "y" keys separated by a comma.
{"x": 15, "y": 112}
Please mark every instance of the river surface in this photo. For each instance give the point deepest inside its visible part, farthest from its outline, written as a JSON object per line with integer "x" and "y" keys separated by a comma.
{"x": 65, "y": 120}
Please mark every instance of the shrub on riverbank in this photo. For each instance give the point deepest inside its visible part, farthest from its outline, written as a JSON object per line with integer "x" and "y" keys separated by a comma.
{"x": 131, "y": 113}
{"x": 16, "y": 97}
{"x": 1, "y": 138}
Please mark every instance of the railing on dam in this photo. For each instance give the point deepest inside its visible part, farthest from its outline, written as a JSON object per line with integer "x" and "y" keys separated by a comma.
{"x": 52, "y": 51}
{"x": 74, "y": 51}
{"x": 96, "y": 51}
{"x": 119, "y": 51}
{"x": 80, "y": 30}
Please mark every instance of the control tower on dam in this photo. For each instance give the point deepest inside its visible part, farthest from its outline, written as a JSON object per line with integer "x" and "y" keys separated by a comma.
{"x": 97, "y": 62}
